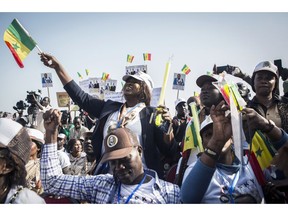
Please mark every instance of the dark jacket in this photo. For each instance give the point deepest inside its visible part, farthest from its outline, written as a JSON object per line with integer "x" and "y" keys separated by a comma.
{"x": 154, "y": 146}
{"x": 282, "y": 106}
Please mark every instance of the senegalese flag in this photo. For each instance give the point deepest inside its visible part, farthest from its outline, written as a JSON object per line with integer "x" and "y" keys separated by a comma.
{"x": 105, "y": 76}
{"x": 18, "y": 41}
{"x": 262, "y": 150}
{"x": 260, "y": 156}
{"x": 130, "y": 58}
{"x": 80, "y": 76}
{"x": 147, "y": 56}
{"x": 186, "y": 69}
{"x": 87, "y": 72}
{"x": 192, "y": 137}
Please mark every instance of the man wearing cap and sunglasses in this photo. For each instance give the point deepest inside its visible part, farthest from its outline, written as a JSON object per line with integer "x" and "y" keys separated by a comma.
{"x": 134, "y": 114}
{"x": 129, "y": 183}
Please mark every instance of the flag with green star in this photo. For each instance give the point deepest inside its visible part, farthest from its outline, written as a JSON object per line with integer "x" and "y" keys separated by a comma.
{"x": 18, "y": 41}
{"x": 192, "y": 137}
{"x": 262, "y": 150}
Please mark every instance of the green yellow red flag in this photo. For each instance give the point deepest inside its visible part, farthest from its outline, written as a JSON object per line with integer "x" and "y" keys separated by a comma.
{"x": 147, "y": 56}
{"x": 130, "y": 58}
{"x": 18, "y": 41}
{"x": 186, "y": 69}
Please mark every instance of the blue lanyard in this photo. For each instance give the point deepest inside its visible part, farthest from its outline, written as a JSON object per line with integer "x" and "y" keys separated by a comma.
{"x": 130, "y": 196}
{"x": 232, "y": 185}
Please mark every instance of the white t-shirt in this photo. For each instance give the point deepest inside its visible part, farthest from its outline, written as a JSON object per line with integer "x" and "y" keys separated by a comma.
{"x": 63, "y": 158}
{"x": 246, "y": 184}
{"x": 143, "y": 195}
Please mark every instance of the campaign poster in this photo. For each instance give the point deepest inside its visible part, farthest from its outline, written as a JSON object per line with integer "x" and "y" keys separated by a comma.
{"x": 179, "y": 81}
{"x": 46, "y": 79}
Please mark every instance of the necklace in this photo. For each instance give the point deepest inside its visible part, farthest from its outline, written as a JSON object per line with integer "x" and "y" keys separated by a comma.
{"x": 130, "y": 196}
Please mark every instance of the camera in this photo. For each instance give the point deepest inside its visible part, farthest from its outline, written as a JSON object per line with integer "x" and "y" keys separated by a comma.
{"x": 30, "y": 99}
{"x": 228, "y": 68}
{"x": 20, "y": 105}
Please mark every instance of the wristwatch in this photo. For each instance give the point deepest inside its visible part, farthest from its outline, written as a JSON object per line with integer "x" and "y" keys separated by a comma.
{"x": 211, "y": 153}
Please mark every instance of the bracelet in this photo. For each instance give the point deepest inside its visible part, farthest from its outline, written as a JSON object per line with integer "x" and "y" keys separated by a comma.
{"x": 270, "y": 127}
{"x": 211, "y": 153}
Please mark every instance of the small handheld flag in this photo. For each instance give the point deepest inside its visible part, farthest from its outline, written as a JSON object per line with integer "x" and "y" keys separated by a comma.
{"x": 130, "y": 58}
{"x": 105, "y": 76}
{"x": 186, "y": 69}
{"x": 80, "y": 76}
{"x": 87, "y": 72}
{"x": 147, "y": 56}
{"x": 19, "y": 42}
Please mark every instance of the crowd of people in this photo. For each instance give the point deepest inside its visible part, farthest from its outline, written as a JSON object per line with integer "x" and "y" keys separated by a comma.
{"x": 127, "y": 156}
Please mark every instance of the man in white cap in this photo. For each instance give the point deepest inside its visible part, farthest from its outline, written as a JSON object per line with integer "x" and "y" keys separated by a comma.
{"x": 180, "y": 120}
{"x": 135, "y": 114}
{"x": 63, "y": 156}
{"x": 129, "y": 183}
{"x": 15, "y": 145}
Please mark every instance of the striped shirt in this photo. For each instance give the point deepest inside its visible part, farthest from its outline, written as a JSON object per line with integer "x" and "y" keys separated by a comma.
{"x": 94, "y": 189}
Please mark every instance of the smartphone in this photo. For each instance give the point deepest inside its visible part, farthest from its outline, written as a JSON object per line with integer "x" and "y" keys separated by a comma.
{"x": 278, "y": 63}
{"x": 227, "y": 68}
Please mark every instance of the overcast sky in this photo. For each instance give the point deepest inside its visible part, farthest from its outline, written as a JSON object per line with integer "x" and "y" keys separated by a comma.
{"x": 100, "y": 42}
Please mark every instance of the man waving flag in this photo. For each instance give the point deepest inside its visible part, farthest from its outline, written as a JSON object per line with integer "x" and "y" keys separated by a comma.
{"x": 18, "y": 41}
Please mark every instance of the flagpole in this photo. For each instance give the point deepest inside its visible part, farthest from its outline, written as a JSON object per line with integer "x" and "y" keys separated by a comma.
{"x": 166, "y": 74}
{"x": 38, "y": 48}
{"x": 48, "y": 93}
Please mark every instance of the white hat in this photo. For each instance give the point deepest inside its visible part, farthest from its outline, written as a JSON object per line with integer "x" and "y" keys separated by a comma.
{"x": 15, "y": 138}
{"x": 36, "y": 135}
{"x": 179, "y": 100}
{"x": 265, "y": 66}
{"x": 142, "y": 77}
{"x": 207, "y": 121}
{"x": 61, "y": 136}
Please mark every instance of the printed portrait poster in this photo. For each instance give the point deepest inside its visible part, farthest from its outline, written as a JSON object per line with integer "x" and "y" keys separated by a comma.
{"x": 135, "y": 68}
{"x": 179, "y": 81}
{"x": 110, "y": 85}
{"x": 46, "y": 79}
{"x": 63, "y": 99}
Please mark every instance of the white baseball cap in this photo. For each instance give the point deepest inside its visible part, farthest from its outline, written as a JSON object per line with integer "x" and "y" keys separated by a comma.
{"x": 179, "y": 100}
{"x": 142, "y": 77}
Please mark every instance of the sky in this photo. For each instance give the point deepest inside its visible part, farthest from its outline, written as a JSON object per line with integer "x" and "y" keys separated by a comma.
{"x": 99, "y": 38}
{"x": 100, "y": 42}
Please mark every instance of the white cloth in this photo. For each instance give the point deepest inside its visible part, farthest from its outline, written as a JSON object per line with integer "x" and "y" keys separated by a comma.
{"x": 25, "y": 196}
{"x": 63, "y": 158}
{"x": 40, "y": 120}
{"x": 144, "y": 194}
{"x": 76, "y": 134}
